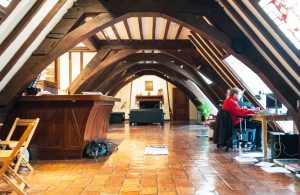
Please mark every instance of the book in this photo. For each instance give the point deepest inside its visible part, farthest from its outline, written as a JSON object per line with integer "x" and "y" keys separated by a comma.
{"x": 293, "y": 167}
{"x": 283, "y": 162}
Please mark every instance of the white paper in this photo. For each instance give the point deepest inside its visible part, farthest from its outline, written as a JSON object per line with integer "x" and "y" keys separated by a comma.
{"x": 298, "y": 175}
{"x": 253, "y": 154}
{"x": 265, "y": 164}
{"x": 275, "y": 169}
{"x": 243, "y": 159}
{"x": 202, "y": 135}
{"x": 156, "y": 150}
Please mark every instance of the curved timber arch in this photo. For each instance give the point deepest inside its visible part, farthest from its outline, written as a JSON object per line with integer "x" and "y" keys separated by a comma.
{"x": 106, "y": 80}
{"x": 98, "y": 23}
{"x": 272, "y": 72}
{"x": 138, "y": 73}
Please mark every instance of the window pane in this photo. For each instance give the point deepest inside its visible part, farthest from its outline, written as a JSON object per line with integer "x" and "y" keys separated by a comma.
{"x": 5, "y": 3}
{"x": 285, "y": 14}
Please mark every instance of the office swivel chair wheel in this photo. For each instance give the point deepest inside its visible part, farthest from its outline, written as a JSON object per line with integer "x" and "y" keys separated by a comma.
{"x": 243, "y": 145}
{"x": 253, "y": 148}
{"x": 226, "y": 149}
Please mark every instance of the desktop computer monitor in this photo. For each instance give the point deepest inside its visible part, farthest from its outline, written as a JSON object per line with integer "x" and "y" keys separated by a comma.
{"x": 271, "y": 101}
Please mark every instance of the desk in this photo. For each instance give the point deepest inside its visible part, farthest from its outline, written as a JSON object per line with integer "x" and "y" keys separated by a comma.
{"x": 264, "y": 118}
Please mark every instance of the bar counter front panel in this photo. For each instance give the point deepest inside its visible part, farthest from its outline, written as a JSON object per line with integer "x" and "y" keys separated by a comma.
{"x": 67, "y": 123}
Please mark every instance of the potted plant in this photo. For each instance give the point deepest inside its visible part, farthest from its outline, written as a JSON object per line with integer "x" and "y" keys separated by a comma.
{"x": 204, "y": 110}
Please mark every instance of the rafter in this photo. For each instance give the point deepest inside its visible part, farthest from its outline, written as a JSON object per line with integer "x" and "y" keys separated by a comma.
{"x": 91, "y": 43}
{"x": 141, "y": 28}
{"x": 146, "y": 44}
{"x": 127, "y": 29}
{"x": 105, "y": 36}
{"x": 166, "y": 30}
{"x": 178, "y": 32}
{"x": 153, "y": 27}
{"x": 116, "y": 32}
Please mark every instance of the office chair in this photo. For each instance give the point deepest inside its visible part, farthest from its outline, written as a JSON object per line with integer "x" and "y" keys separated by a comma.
{"x": 227, "y": 136}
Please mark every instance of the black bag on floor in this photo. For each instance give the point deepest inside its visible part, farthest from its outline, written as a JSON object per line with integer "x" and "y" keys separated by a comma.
{"x": 94, "y": 149}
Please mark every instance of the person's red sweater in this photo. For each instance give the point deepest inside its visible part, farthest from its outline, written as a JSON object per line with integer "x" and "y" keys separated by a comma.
{"x": 232, "y": 106}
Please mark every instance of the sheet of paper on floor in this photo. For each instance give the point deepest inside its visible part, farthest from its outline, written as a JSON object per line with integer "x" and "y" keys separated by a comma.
{"x": 245, "y": 160}
{"x": 265, "y": 164}
{"x": 156, "y": 150}
{"x": 204, "y": 135}
{"x": 253, "y": 154}
{"x": 275, "y": 169}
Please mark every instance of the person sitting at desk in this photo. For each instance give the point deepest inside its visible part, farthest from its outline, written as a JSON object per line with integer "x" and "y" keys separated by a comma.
{"x": 231, "y": 105}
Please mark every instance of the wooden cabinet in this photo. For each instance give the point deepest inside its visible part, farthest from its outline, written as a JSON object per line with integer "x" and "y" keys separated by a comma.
{"x": 67, "y": 123}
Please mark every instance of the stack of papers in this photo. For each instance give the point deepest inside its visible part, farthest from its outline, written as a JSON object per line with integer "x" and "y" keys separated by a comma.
{"x": 156, "y": 150}
{"x": 275, "y": 170}
{"x": 245, "y": 160}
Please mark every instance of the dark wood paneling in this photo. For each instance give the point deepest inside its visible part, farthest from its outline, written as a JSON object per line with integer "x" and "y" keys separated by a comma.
{"x": 67, "y": 123}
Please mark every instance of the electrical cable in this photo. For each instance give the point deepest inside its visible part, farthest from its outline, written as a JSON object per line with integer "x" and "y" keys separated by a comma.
{"x": 278, "y": 146}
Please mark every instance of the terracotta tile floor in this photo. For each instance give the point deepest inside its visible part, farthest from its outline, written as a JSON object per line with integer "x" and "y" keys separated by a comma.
{"x": 193, "y": 166}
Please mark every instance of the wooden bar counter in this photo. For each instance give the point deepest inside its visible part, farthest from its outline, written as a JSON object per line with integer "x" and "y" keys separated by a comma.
{"x": 67, "y": 123}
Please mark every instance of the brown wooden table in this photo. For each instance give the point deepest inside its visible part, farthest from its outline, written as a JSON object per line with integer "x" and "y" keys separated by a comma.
{"x": 264, "y": 118}
{"x": 67, "y": 123}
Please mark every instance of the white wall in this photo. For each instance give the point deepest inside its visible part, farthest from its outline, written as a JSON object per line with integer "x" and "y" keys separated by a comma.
{"x": 193, "y": 111}
{"x": 124, "y": 95}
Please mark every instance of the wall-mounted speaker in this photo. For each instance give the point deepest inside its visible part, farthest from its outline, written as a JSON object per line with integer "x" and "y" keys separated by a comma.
{"x": 239, "y": 44}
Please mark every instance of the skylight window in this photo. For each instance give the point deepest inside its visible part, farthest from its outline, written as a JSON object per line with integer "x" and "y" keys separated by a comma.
{"x": 5, "y": 3}
{"x": 285, "y": 14}
{"x": 205, "y": 79}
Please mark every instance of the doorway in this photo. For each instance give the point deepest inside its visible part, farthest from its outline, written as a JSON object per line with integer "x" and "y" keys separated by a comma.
{"x": 180, "y": 106}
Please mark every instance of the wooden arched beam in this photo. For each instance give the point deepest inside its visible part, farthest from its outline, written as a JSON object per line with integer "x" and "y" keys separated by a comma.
{"x": 95, "y": 68}
{"x": 185, "y": 72}
{"x": 103, "y": 78}
{"x": 167, "y": 57}
{"x": 138, "y": 67}
{"x": 178, "y": 83}
{"x": 35, "y": 64}
{"x": 163, "y": 60}
{"x": 168, "y": 74}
